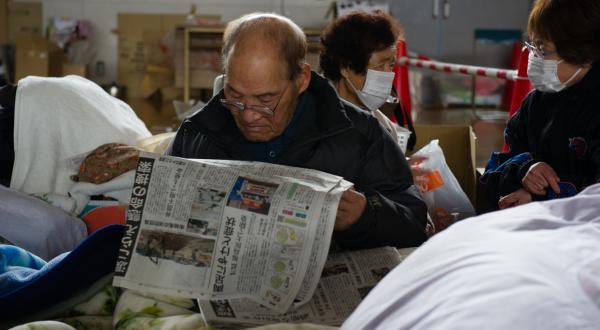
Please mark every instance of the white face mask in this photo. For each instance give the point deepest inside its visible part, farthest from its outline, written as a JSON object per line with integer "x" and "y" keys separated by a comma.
{"x": 377, "y": 88}
{"x": 543, "y": 74}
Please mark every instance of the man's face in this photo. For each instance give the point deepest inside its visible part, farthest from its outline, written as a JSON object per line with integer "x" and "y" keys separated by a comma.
{"x": 255, "y": 78}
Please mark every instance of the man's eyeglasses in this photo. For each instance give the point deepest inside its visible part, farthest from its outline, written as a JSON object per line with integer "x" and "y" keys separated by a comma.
{"x": 262, "y": 109}
{"x": 537, "y": 50}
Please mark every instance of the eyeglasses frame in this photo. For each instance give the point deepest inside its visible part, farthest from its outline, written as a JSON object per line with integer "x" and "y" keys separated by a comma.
{"x": 262, "y": 109}
{"x": 536, "y": 50}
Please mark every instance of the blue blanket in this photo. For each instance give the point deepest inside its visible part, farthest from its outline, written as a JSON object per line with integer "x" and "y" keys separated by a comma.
{"x": 28, "y": 285}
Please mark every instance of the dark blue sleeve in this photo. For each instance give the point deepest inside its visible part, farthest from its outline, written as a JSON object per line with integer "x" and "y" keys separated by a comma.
{"x": 505, "y": 170}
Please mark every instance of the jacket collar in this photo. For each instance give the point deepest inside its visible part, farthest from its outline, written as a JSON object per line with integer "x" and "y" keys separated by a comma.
{"x": 215, "y": 120}
{"x": 591, "y": 81}
{"x": 331, "y": 113}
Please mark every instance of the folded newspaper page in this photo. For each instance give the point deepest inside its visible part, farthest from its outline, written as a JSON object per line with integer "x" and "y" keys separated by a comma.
{"x": 227, "y": 230}
{"x": 345, "y": 280}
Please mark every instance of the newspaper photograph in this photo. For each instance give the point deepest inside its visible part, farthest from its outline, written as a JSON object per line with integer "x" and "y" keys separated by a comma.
{"x": 227, "y": 230}
{"x": 345, "y": 281}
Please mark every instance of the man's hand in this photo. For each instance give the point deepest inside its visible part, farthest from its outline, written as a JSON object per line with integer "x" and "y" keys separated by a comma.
{"x": 351, "y": 207}
{"x": 539, "y": 177}
{"x": 515, "y": 198}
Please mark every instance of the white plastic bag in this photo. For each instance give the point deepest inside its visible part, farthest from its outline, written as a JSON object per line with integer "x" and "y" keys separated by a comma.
{"x": 446, "y": 201}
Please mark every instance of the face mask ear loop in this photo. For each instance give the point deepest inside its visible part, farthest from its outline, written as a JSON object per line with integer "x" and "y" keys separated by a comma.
{"x": 566, "y": 83}
{"x": 351, "y": 84}
{"x": 356, "y": 92}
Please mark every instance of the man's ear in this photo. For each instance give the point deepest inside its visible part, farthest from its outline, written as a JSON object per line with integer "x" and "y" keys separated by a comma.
{"x": 303, "y": 79}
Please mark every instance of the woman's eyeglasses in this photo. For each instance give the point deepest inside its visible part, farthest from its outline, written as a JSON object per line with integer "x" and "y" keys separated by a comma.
{"x": 537, "y": 50}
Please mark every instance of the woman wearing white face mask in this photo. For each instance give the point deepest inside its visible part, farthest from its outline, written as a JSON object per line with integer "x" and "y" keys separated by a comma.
{"x": 358, "y": 56}
{"x": 554, "y": 138}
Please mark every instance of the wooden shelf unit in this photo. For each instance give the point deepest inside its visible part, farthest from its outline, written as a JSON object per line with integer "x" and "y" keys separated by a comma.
{"x": 211, "y": 38}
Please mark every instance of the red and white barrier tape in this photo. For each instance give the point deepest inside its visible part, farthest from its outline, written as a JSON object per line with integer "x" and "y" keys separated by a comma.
{"x": 461, "y": 69}
{"x": 417, "y": 56}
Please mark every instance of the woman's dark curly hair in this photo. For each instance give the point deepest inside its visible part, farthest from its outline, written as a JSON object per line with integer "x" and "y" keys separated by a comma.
{"x": 349, "y": 41}
{"x": 572, "y": 25}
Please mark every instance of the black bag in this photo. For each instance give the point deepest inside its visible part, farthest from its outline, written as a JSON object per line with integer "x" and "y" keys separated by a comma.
{"x": 7, "y": 121}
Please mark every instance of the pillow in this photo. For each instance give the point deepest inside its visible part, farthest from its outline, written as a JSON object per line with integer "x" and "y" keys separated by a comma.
{"x": 36, "y": 226}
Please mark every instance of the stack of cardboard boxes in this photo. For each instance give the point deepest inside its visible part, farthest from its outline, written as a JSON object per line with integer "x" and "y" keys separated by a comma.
{"x": 143, "y": 61}
{"x": 37, "y": 56}
{"x": 22, "y": 18}
{"x": 21, "y": 24}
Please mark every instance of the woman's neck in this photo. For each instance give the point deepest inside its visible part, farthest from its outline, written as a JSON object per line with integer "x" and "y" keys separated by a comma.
{"x": 347, "y": 93}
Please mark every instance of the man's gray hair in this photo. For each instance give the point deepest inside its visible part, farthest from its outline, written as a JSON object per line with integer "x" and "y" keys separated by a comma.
{"x": 283, "y": 34}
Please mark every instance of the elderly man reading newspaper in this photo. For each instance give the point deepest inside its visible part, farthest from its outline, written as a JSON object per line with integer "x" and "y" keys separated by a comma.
{"x": 274, "y": 109}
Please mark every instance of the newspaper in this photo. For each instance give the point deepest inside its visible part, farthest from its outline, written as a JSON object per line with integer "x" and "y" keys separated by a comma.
{"x": 227, "y": 230}
{"x": 346, "y": 279}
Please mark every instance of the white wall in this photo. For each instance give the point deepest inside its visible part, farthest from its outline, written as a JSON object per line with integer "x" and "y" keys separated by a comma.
{"x": 103, "y": 16}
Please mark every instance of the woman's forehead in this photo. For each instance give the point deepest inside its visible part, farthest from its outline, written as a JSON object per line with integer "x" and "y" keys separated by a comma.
{"x": 381, "y": 55}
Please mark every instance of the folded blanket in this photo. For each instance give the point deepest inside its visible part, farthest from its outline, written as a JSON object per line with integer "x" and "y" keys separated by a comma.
{"x": 118, "y": 188}
{"x": 59, "y": 118}
{"x": 64, "y": 203}
{"x": 15, "y": 259}
{"x": 37, "y": 290}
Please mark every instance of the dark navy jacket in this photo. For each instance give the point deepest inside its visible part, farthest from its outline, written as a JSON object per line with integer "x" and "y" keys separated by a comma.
{"x": 344, "y": 141}
{"x": 561, "y": 129}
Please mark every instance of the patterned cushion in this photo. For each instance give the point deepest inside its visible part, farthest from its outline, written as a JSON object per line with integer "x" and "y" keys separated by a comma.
{"x": 107, "y": 162}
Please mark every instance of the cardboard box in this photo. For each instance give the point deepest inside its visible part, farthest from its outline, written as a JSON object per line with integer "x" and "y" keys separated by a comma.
{"x": 155, "y": 79}
{"x": 459, "y": 145}
{"x": 140, "y": 36}
{"x": 74, "y": 69}
{"x": 37, "y": 56}
{"x": 170, "y": 93}
{"x": 3, "y": 22}
{"x": 24, "y": 18}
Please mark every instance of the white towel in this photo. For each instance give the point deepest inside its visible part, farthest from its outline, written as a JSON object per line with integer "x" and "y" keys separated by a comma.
{"x": 119, "y": 188}
{"x": 58, "y": 118}
{"x": 64, "y": 203}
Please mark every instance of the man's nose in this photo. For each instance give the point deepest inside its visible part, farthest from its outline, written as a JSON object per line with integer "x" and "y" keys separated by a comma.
{"x": 250, "y": 116}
